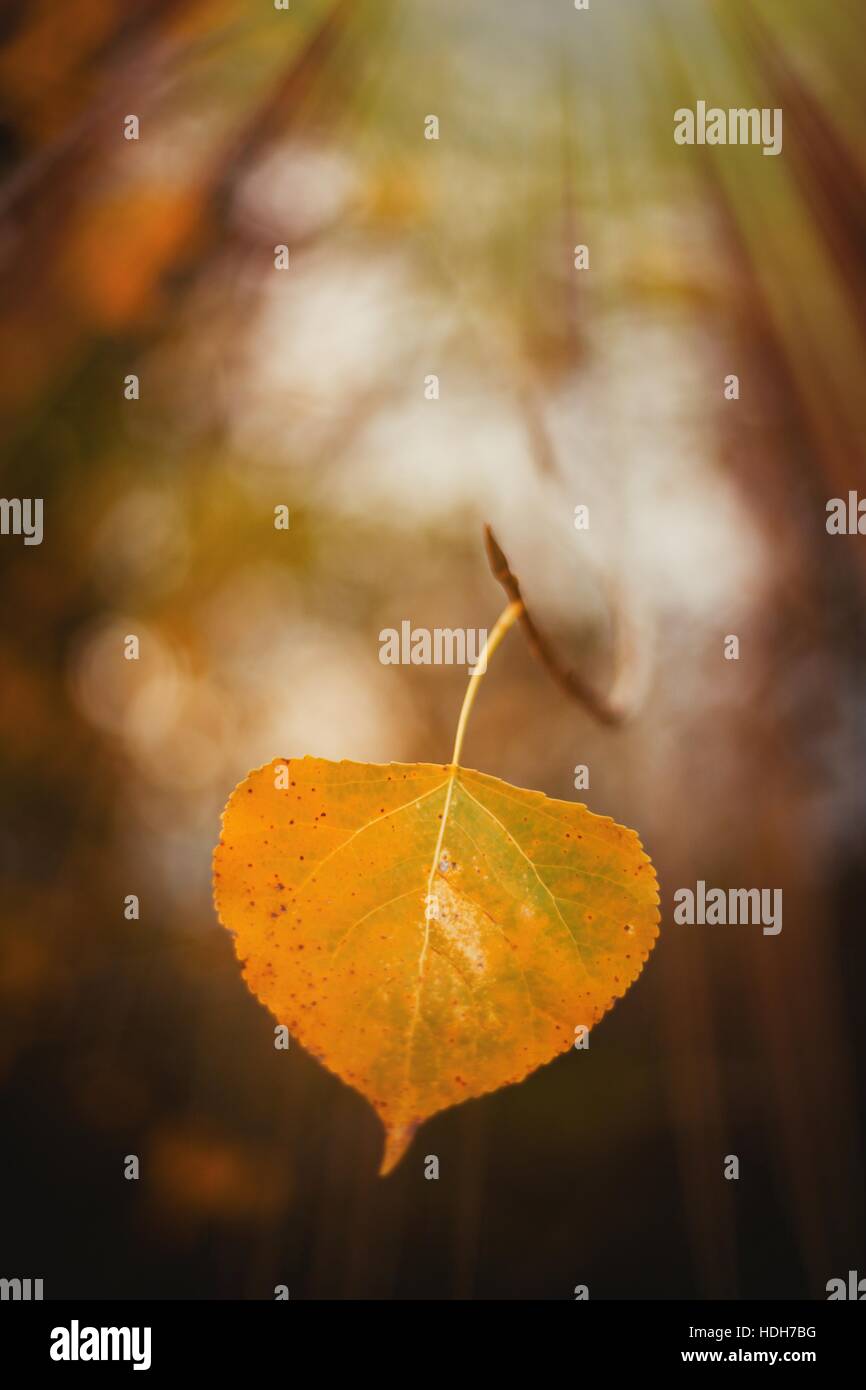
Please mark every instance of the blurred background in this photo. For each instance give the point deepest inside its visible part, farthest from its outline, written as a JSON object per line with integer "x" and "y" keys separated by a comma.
{"x": 410, "y": 257}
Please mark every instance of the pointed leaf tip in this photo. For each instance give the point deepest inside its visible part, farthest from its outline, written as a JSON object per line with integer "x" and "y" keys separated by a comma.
{"x": 397, "y": 1140}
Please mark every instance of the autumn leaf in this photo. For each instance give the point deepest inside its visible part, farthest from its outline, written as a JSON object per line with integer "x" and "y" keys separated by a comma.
{"x": 428, "y": 932}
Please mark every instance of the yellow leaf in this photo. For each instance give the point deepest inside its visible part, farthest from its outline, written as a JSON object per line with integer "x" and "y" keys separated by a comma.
{"x": 428, "y": 932}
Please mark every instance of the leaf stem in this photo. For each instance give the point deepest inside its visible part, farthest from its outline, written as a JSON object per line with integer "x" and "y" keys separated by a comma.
{"x": 506, "y": 619}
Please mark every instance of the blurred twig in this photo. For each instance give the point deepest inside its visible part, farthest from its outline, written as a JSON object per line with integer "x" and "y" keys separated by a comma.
{"x": 612, "y": 708}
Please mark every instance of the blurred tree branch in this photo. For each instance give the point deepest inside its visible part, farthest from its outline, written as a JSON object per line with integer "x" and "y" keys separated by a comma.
{"x": 611, "y": 708}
